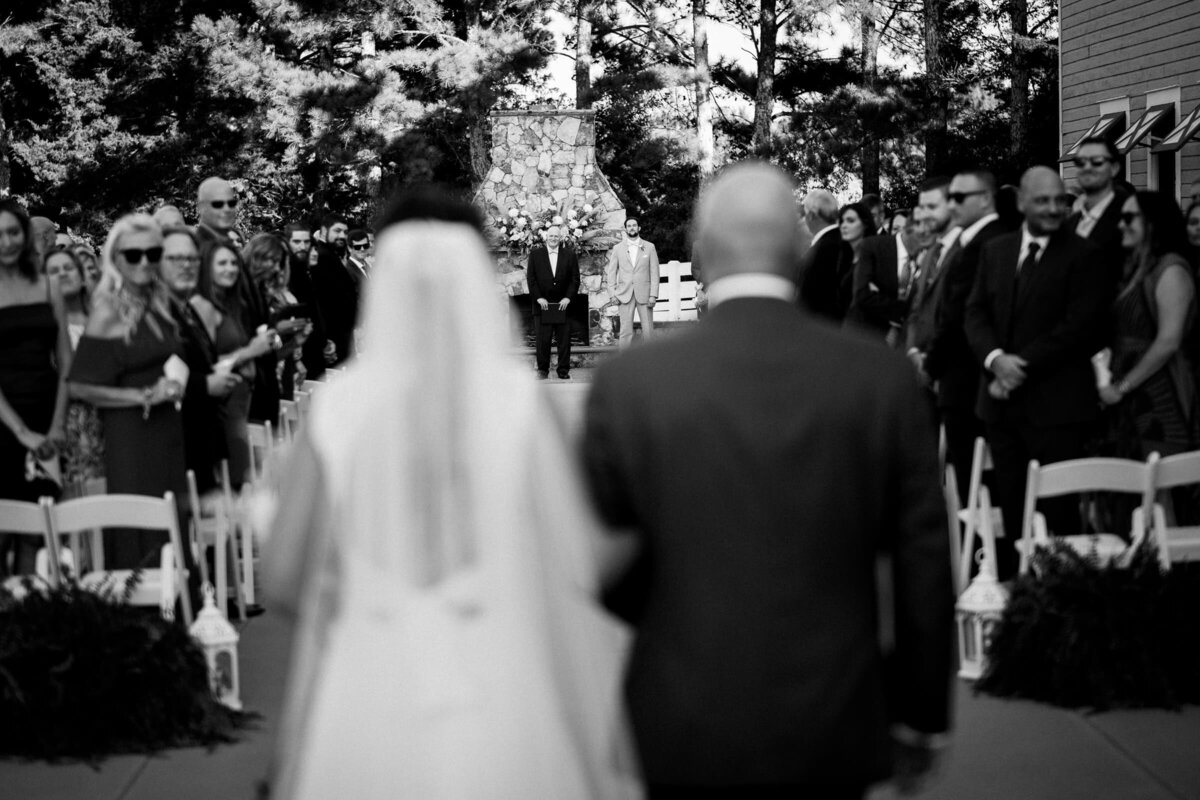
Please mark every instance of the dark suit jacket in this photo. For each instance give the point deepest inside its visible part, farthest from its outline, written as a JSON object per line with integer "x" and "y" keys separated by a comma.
{"x": 1055, "y": 319}
{"x": 552, "y": 286}
{"x": 877, "y": 309}
{"x": 756, "y": 658}
{"x": 336, "y": 286}
{"x": 1106, "y": 235}
{"x": 818, "y": 278}
{"x": 948, "y": 356}
{"x": 313, "y": 349}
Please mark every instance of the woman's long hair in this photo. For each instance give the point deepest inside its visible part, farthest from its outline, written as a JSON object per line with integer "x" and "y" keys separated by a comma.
{"x": 131, "y": 306}
{"x": 27, "y": 262}
{"x": 1165, "y": 233}
{"x": 227, "y": 301}
{"x": 864, "y": 213}
{"x": 84, "y": 299}
{"x": 260, "y": 246}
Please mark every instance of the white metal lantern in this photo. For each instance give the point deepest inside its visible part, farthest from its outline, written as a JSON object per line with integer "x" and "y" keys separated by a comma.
{"x": 978, "y": 611}
{"x": 218, "y": 639}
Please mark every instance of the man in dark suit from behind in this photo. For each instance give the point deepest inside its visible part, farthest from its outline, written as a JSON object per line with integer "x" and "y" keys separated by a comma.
{"x": 818, "y": 268}
{"x": 1036, "y": 314}
{"x": 885, "y": 278}
{"x": 756, "y": 668}
{"x": 1098, "y": 209}
{"x": 553, "y": 276}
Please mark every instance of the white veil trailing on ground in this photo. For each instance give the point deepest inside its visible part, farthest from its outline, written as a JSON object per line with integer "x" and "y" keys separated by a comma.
{"x": 458, "y": 651}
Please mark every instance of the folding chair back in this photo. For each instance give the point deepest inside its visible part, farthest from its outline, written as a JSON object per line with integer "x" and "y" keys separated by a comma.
{"x": 262, "y": 446}
{"x": 1175, "y": 543}
{"x": 162, "y": 586}
{"x": 289, "y": 419}
{"x": 1085, "y": 475}
{"x": 972, "y": 516}
{"x": 28, "y": 519}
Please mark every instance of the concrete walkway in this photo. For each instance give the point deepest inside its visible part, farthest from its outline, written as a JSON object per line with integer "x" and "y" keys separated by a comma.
{"x": 1003, "y": 750}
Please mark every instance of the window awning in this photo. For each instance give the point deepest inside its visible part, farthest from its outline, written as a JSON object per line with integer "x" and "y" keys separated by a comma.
{"x": 1105, "y": 126}
{"x": 1181, "y": 134}
{"x": 1142, "y": 128}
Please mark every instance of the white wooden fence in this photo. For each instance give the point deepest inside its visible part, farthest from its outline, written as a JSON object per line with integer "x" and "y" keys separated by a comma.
{"x": 676, "y": 292}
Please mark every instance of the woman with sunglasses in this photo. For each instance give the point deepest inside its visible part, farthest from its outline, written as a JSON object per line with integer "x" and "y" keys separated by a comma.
{"x": 34, "y": 360}
{"x": 83, "y": 453}
{"x": 125, "y": 366}
{"x": 1152, "y": 386}
{"x": 221, "y": 303}
{"x": 855, "y": 223}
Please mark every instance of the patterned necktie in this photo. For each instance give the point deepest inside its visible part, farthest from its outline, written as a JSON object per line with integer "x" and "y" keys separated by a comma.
{"x": 907, "y": 274}
{"x": 930, "y": 272}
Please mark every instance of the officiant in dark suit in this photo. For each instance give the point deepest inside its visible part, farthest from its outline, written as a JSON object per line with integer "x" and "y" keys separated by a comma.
{"x": 553, "y": 276}
{"x": 756, "y": 667}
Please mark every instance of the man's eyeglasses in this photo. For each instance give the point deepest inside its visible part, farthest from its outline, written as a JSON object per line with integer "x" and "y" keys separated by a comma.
{"x": 219, "y": 204}
{"x": 961, "y": 197}
{"x": 134, "y": 255}
{"x": 181, "y": 260}
{"x": 1094, "y": 161}
{"x": 1127, "y": 217}
{"x": 359, "y": 245}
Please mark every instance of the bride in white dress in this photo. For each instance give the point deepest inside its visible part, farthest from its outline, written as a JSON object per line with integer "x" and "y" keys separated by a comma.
{"x": 434, "y": 537}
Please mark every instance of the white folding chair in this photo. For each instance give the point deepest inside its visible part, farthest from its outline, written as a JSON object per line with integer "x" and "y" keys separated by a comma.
{"x": 1085, "y": 475}
{"x": 1175, "y": 543}
{"x": 158, "y": 587}
{"x": 289, "y": 419}
{"x": 971, "y": 517}
{"x": 262, "y": 445}
{"x": 215, "y": 530}
{"x": 311, "y": 386}
{"x": 27, "y": 519}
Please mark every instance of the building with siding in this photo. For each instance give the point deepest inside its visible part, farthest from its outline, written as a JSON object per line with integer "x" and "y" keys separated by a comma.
{"x": 1130, "y": 70}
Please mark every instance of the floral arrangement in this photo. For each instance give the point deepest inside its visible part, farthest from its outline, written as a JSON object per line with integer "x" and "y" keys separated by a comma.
{"x": 515, "y": 228}
{"x": 581, "y": 226}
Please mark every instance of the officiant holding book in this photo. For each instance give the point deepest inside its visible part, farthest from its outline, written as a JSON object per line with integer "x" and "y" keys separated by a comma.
{"x": 553, "y": 275}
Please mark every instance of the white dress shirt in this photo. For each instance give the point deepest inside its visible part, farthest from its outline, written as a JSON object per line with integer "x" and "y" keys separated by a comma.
{"x": 1027, "y": 241}
{"x": 1088, "y": 217}
{"x": 553, "y": 254}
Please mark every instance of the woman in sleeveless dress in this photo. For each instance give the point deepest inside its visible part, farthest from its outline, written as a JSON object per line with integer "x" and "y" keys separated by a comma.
{"x": 34, "y": 359}
{"x": 119, "y": 368}
{"x": 432, "y": 533}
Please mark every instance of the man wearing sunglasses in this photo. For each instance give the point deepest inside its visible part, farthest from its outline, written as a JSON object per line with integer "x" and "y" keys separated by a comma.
{"x": 1036, "y": 314}
{"x": 216, "y": 207}
{"x": 1098, "y": 209}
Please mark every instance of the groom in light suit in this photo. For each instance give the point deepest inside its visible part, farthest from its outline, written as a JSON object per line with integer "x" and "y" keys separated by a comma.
{"x": 632, "y": 276}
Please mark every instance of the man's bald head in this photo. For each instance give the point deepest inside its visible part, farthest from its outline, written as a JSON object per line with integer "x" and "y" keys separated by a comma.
{"x": 169, "y": 217}
{"x": 44, "y": 233}
{"x": 1043, "y": 199}
{"x": 746, "y": 222}
{"x": 216, "y": 204}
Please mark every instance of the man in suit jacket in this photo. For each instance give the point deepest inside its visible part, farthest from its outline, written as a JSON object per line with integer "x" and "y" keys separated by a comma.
{"x": 1098, "y": 210}
{"x": 632, "y": 276}
{"x": 336, "y": 284}
{"x": 818, "y": 269}
{"x": 884, "y": 282}
{"x": 553, "y": 276}
{"x": 756, "y": 662}
{"x": 1036, "y": 314}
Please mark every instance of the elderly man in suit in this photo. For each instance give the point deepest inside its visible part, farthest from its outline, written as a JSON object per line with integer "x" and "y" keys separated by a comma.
{"x": 553, "y": 276}
{"x": 885, "y": 279}
{"x": 632, "y": 277}
{"x": 1035, "y": 316}
{"x": 817, "y": 275}
{"x": 756, "y": 667}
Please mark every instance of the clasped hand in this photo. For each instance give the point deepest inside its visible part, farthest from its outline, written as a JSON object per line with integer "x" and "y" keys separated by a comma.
{"x": 562, "y": 304}
{"x": 1009, "y": 371}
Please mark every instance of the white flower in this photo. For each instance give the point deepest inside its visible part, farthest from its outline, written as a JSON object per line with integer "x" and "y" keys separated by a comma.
{"x": 557, "y": 220}
{"x": 512, "y": 212}
{"x": 583, "y": 223}
{"x": 521, "y": 222}
{"x": 587, "y": 209}
{"x": 572, "y": 214}
{"x": 574, "y": 224}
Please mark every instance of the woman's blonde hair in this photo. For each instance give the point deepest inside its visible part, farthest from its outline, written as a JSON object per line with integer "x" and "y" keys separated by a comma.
{"x": 131, "y": 306}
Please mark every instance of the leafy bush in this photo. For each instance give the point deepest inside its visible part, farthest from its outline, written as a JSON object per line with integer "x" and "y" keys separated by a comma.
{"x": 83, "y": 675}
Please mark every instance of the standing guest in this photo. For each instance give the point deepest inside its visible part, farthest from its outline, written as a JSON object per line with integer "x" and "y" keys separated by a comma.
{"x": 1036, "y": 314}
{"x": 817, "y": 270}
{"x": 216, "y": 206}
{"x": 884, "y": 281}
{"x": 948, "y": 358}
{"x": 756, "y": 665}
{"x": 358, "y": 245}
{"x": 203, "y": 435}
{"x": 299, "y": 283}
{"x": 337, "y": 285}
{"x": 1193, "y": 233}
{"x": 941, "y": 239}
{"x": 119, "y": 368}
{"x": 1152, "y": 380}
{"x": 91, "y": 265}
{"x": 898, "y": 221}
{"x": 855, "y": 223}
{"x": 220, "y": 304}
{"x": 632, "y": 277}
{"x": 169, "y": 216}
{"x": 1097, "y": 210}
{"x": 45, "y": 234}
{"x": 83, "y": 449}
{"x": 266, "y": 258}
{"x": 553, "y": 274}
{"x": 874, "y": 204}
{"x": 63, "y": 239}
{"x": 34, "y": 360}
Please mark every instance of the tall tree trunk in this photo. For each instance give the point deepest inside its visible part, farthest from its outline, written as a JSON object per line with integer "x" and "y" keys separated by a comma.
{"x": 938, "y": 121}
{"x": 704, "y": 102}
{"x": 583, "y": 54}
{"x": 764, "y": 100}
{"x": 869, "y": 64}
{"x": 5, "y": 164}
{"x": 1019, "y": 98}
{"x": 466, "y": 17}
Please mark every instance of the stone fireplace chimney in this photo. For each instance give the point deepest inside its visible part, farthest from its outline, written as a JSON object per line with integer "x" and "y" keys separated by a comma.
{"x": 542, "y": 161}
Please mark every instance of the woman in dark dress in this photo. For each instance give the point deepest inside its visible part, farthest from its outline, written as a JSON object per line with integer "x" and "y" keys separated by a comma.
{"x": 855, "y": 223}
{"x": 34, "y": 359}
{"x": 121, "y": 368}
{"x": 266, "y": 260}
{"x": 220, "y": 305}
{"x": 1152, "y": 387}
